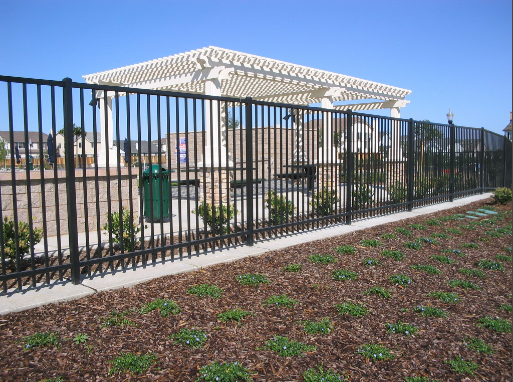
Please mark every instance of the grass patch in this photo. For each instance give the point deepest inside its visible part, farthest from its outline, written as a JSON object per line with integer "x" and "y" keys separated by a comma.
{"x": 355, "y": 310}
{"x": 42, "y": 339}
{"x": 322, "y": 259}
{"x": 371, "y": 262}
{"x": 343, "y": 275}
{"x": 318, "y": 327}
{"x": 463, "y": 284}
{"x": 497, "y": 324}
{"x": 135, "y": 364}
{"x": 206, "y": 290}
{"x": 287, "y": 348}
{"x": 490, "y": 264}
{"x": 190, "y": 337}
{"x": 321, "y": 375}
{"x": 473, "y": 272}
{"x": 393, "y": 254}
{"x": 165, "y": 307}
{"x": 429, "y": 311}
{"x": 447, "y": 297}
{"x": 346, "y": 250}
{"x": 251, "y": 279}
{"x": 478, "y": 345}
{"x": 375, "y": 352}
{"x": 461, "y": 366}
{"x": 374, "y": 243}
{"x": 281, "y": 300}
{"x": 229, "y": 372}
{"x": 233, "y": 315}
{"x": 378, "y": 291}
{"x": 293, "y": 268}
{"x": 400, "y": 328}
{"x": 427, "y": 268}
{"x": 443, "y": 259}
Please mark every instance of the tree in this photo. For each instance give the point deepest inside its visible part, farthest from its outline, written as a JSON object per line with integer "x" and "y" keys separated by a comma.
{"x": 77, "y": 133}
{"x": 232, "y": 122}
{"x": 3, "y": 150}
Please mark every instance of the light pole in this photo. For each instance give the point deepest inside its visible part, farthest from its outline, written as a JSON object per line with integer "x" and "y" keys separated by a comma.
{"x": 29, "y": 163}
{"x": 450, "y": 118}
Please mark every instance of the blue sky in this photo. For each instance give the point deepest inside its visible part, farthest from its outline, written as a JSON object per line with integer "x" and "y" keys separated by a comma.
{"x": 451, "y": 54}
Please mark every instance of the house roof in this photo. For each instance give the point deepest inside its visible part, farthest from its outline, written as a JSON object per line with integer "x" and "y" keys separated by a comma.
{"x": 246, "y": 75}
{"x": 19, "y": 136}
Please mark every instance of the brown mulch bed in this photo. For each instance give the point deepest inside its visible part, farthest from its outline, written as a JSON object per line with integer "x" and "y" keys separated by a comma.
{"x": 437, "y": 341}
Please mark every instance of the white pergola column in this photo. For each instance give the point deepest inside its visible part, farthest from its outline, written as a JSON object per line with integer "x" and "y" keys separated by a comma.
{"x": 326, "y": 152}
{"x": 215, "y": 148}
{"x": 107, "y": 143}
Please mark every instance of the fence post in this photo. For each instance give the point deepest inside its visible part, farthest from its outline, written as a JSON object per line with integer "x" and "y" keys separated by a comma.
{"x": 452, "y": 161}
{"x": 481, "y": 162}
{"x": 349, "y": 166}
{"x": 67, "y": 94}
{"x": 250, "y": 238}
{"x": 411, "y": 165}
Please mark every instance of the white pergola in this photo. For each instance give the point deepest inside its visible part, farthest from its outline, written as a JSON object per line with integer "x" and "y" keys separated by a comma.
{"x": 223, "y": 72}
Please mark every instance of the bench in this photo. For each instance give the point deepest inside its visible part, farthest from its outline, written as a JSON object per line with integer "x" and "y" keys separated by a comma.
{"x": 239, "y": 183}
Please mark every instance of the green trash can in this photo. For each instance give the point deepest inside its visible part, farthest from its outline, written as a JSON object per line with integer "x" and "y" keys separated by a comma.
{"x": 31, "y": 162}
{"x": 159, "y": 193}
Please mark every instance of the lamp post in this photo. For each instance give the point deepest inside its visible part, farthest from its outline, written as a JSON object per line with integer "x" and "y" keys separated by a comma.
{"x": 450, "y": 118}
{"x": 29, "y": 163}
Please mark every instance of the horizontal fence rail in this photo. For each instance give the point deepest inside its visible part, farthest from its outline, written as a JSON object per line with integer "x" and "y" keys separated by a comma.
{"x": 99, "y": 178}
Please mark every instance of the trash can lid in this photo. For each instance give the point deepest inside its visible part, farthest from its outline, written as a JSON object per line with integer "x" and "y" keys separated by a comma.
{"x": 154, "y": 169}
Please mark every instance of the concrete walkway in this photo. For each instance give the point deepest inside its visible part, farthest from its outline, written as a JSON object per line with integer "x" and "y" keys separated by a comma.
{"x": 62, "y": 291}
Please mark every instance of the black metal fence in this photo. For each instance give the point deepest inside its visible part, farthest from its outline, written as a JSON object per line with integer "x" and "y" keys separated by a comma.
{"x": 177, "y": 173}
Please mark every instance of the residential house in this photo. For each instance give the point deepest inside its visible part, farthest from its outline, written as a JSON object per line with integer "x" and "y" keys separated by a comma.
{"x": 507, "y": 130}
{"x": 85, "y": 146}
{"x": 28, "y": 143}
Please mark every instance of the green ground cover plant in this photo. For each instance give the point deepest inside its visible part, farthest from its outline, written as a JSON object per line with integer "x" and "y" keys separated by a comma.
{"x": 443, "y": 259}
{"x": 378, "y": 291}
{"x": 454, "y": 252}
{"x": 461, "y": 366}
{"x": 454, "y": 231}
{"x": 427, "y": 268}
{"x": 116, "y": 318}
{"x": 463, "y": 284}
{"x": 427, "y": 240}
{"x": 281, "y": 300}
{"x": 502, "y": 257}
{"x": 346, "y": 250}
{"x": 165, "y": 306}
{"x": 433, "y": 222}
{"x": 206, "y": 290}
{"x": 400, "y": 328}
{"x": 389, "y": 236}
{"x": 505, "y": 307}
{"x": 343, "y": 275}
{"x": 473, "y": 272}
{"x": 80, "y": 338}
{"x": 320, "y": 374}
{"x": 42, "y": 339}
{"x": 470, "y": 245}
{"x": 401, "y": 280}
{"x": 370, "y": 243}
{"x": 375, "y": 352}
{"x": 190, "y": 337}
{"x": 134, "y": 363}
{"x": 446, "y": 297}
{"x": 233, "y": 315}
{"x": 413, "y": 245}
{"x": 490, "y": 264}
{"x": 252, "y": 279}
{"x": 318, "y": 327}
{"x": 351, "y": 308}
{"x": 322, "y": 259}
{"x": 288, "y": 348}
{"x": 478, "y": 345}
{"x": 224, "y": 372}
{"x": 371, "y": 262}
{"x": 495, "y": 323}
{"x": 420, "y": 379}
{"x": 404, "y": 231}
{"x": 429, "y": 311}
{"x": 393, "y": 254}
{"x": 418, "y": 226}
{"x": 440, "y": 235}
{"x": 293, "y": 268}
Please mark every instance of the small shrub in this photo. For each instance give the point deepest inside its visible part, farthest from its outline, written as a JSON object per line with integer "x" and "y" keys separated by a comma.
{"x": 227, "y": 372}
{"x": 378, "y": 291}
{"x": 346, "y": 250}
{"x": 355, "y": 310}
{"x": 397, "y": 192}
{"x": 489, "y": 264}
{"x": 502, "y": 195}
{"x": 404, "y": 231}
{"x": 428, "y": 311}
{"x": 134, "y": 363}
{"x": 128, "y": 236}
{"x": 165, "y": 307}
{"x": 293, "y": 268}
{"x": 393, "y": 254}
{"x": 401, "y": 280}
{"x": 190, "y": 337}
{"x": 279, "y": 207}
{"x": 370, "y": 243}
{"x": 362, "y": 196}
{"x": 413, "y": 245}
{"x": 321, "y": 327}
{"x": 287, "y": 348}
{"x": 400, "y": 328}
{"x": 371, "y": 262}
{"x": 497, "y": 324}
{"x": 233, "y": 315}
{"x": 443, "y": 259}
{"x": 115, "y": 318}
{"x": 322, "y": 259}
{"x": 343, "y": 275}
{"x": 463, "y": 284}
{"x": 203, "y": 290}
{"x": 252, "y": 279}
{"x": 473, "y": 272}
{"x": 461, "y": 366}
{"x": 478, "y": 345}
{"x": 321, "y": 375}
{"x": 23, "y": 245}
{"x": 42, "y": 339}
{"x": 388, "y": 236}
{"x": 427, "y": 268}
{"x": 281, "y": 300}
{"x": 324, "y": 202}
{"x": 375, "y": 352}
{"x": 217, "y": 217}
{"x": 446, "y": 297}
